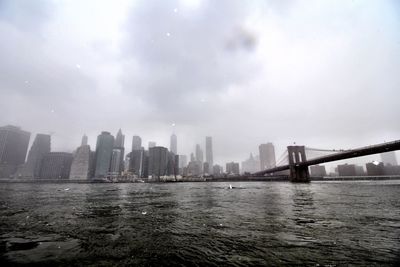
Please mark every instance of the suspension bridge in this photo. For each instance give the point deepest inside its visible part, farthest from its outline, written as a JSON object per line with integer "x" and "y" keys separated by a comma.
{"x": 297, "y": 162}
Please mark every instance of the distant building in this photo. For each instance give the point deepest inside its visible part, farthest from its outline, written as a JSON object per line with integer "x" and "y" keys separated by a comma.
{"x": 389, "y": 158}
{"x": 347, "y": 170}
{"x": 250, "y": 165}
{"x": 116, "y": 161}
{"x": 199, "y": 154}
{"x": 182, "y": 161}
{"x": 194, "y": 168}
{"x": 158, "y": 162}
{"x": 127, "y": 162}
{"x": 359, "y": 170}
{"x": 13, "y": 147}
{"x": 392, "y": 170}
{"x": 104, "y": 151}
{"x": 84, "y": 140}
{"x": 136, "y": 161}
{"x": 81, "y": 163}
{"x": 232, "y": 168}
{"x": 267, "y": 156}
{"x": 173, "y": 164}
{"x": 209, "y": 154}
{"x": 56, "y": 165}
{"x": 136, "y": 142}
{"x": 174, "y": 144}
{"x": 117, "y": 158}
{"x": 317, "y": 171}
{"x": 40, "y": 147}
{"x": 145, "y": 164}
{"x": 152, "y": 144}
{"x": 206, "y": 168}
{"x": 217, "y": 170}
{"x": 375, "y": 168}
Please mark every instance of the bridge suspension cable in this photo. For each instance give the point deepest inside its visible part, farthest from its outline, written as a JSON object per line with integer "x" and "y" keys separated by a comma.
{"x": 283, "y": 159}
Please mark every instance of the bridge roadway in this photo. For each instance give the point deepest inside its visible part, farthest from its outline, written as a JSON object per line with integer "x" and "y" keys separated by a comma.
{"x": 353, "y": 153}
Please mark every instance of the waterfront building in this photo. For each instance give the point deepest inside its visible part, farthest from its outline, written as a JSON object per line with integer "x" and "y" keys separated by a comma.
{"x": 158, "y": 162}
{"x": 56, "y": 165}
{"x": 317, "y": 171}
{"x": 145, "y": 164}
{"x": 347, "y": 170}
{"x": 206, "y": 168}
{"x": 40, "y": 147}
{"x": 194, "y": 168}
{"x": 389, "y": 158}
{"x": 217, "y": 170}
{"x": 82, "y": 161}
{"x": 375, "y": 168}
{"x": 267, "y": 156}
{"x": 136, "y": 161}
{"x": 174, "y": 144}
{"x": 232, "y": 168}
{"x": 250, "y": 165}
{"x": 13, "y": 147}
{"x": 116, "y": 161}
{"x": 209, "y": 154}
{"x": 104, "y": 150}
{"x": 173, "y": 164}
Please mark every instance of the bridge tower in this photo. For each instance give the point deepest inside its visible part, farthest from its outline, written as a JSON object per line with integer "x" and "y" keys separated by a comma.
{"x": 298, "y": 173}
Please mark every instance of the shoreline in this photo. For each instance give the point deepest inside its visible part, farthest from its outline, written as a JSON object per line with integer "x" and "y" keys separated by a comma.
{"x": 199, "y": 180}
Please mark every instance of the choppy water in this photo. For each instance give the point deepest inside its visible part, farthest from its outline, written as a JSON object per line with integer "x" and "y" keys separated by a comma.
{"x": 199, "y": 224}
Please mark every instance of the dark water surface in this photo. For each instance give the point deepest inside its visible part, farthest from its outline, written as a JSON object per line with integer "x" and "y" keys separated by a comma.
{"x": 199, "y": 224}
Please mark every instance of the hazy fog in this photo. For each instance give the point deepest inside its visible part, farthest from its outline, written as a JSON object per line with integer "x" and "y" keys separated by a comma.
{"x": 319, "y": 73}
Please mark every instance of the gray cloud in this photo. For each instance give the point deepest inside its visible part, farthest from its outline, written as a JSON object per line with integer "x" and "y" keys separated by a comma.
{"x": 321, "y": 74}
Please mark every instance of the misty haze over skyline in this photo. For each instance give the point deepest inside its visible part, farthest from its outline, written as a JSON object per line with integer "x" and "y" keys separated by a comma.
{"x": 318, "y": 73}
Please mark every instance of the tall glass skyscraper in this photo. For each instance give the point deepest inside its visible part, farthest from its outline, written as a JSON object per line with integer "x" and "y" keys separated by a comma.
{"x": 104, "y": 149}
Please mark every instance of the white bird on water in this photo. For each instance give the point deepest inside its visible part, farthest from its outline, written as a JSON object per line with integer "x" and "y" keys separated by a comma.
{"x": 230, "y": 186}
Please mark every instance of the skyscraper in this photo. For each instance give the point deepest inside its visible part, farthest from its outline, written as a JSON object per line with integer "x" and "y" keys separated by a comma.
{"x": 267, "y": 156}
{"x": 56, "y": 165}
{"x": 158, "y": 162}
{"x": 40, "y": 147}
{"x": 84, "y": 140}
{"x": 199, "y": 154}
{"x": 104, "y": 149}
{"x": 117, "y": 158}
{"x": 136, "y": 142}
{"x": 136, "y": 161}
{"x": 174, "y": 144}
{"x": 82, "y": 161}
{"x": 182, "y": 161}
{"x": 13, "y": 147}
{"x": 389, "y": 158}
{"x": 119, "y": 139}
{"x": 209, "y": 154}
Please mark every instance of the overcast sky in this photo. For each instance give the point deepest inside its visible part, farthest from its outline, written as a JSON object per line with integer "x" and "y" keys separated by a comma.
{"x": 319, "y": 73}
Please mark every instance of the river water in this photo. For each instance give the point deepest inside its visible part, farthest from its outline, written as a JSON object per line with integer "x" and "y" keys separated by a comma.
{"x": 201, "y": 224}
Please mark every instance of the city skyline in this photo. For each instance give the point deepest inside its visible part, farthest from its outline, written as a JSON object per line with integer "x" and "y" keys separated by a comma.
{"x": 198, "y": 151}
